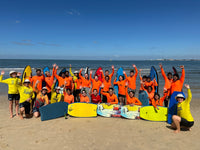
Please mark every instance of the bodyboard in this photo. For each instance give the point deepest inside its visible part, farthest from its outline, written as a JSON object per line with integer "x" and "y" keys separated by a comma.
{"x": 154, "y": 74}
{"x": 26, "y": 73}
{"x": 82, "y": 110}
{"x": 105, "y": 110}
{"x": 130, "y": 112}
{"x": 143, "y": 97}
{"x": 119, "y": 73}
{"x": 53, "y": 111}
{"x": 153, "y": 114}
{"x": 172, "y": 109}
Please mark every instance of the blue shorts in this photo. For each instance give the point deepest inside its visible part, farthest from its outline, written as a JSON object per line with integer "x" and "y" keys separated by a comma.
{"x": 26, "y": 106}
{"x": 12, "y": 97}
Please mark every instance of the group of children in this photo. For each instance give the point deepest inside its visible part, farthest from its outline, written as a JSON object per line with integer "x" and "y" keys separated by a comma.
{"x": 45, "y": 88}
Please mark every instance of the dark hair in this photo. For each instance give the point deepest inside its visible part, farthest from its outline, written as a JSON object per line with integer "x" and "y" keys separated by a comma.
{"x": 176, "y": 75}
{"x": 106, "y": 70}
{"x": 169, "y": 73}
{"x": 132, "y": 92}
{"x": 132, "y": 71}
{"x": 68, "y": 89}
{"x": 111, "y": 89}
{"x": 148, "y": 77}
{"x": 122, "y": 77}
{"x": 66, "y": 71}
{"x": 84, "y": 90}
{"x": 144, "y": 76}
{"x": 156, "y": 94}
{"x": 38, "y": 70}
{"x": 107, "y": 77}
{"x": 94, "y": 90}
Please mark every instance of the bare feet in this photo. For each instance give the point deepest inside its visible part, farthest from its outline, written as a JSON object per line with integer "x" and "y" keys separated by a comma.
{"x": 176, "y": 131}
{"x": 11, "y": 116}
{"x": 21, "y": 117}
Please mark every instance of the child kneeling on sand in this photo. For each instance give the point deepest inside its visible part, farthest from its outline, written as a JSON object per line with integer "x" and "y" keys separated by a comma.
{"x": 26, "y": 95}
{"x": 184, "y": 118}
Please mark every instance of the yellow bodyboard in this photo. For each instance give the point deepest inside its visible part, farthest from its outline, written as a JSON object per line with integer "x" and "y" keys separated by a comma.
{"x": 105, "y": 106}
{"x": 27, "y": 73}
{"x": 152, "y": 114}
{"x": 82, "y": 110}
{"x": 132, "y": 108}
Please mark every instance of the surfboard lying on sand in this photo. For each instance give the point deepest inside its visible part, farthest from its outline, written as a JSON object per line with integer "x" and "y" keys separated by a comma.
{"x": 153, "y": 114}
{"x": 105, "y": 110}
{"x": 82, "y": 110}
{"x": 130, "y": 112}
{"x": 26, "y": 73}
{"x": 53, "y": 111}
{"x": 172, "y": 109}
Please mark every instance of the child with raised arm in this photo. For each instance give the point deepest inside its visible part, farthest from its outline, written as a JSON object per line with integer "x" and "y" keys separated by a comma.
{"x": 184, "y": 117}
{"x": 13, "y": 94}
{"x": 56, "y": 96}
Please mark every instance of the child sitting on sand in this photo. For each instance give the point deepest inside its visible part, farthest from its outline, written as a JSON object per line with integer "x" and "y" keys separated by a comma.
{"x": 84, "y": 97}
{"x": 157, "y": 101}
{"x": 13, "y": 94}
{"x": 41, "y": 99}
{"x": 184, "y": 117}
{"x": 95, "y": 97}
{"x": 26, "y": 95}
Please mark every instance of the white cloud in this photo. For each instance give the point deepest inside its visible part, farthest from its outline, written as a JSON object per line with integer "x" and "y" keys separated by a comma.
{"x": 17, "y": 21}
{"x": 73, "y": 12}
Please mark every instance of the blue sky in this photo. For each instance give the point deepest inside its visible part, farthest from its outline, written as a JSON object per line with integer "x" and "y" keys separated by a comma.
{"x": 100, "y": 29}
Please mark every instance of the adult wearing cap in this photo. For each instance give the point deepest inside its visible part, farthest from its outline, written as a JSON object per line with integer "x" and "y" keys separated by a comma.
{"x": 26, "y": 96}
{"x": 41, "y": 100}
{"x": 13, "y": 94}
{"x": 184, "y": 117}
{"x": 56, "y": 96}
{"x": 49, "y": 81}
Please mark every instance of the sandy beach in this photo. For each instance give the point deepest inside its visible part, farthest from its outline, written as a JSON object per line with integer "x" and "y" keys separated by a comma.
{"x": 93, "y": 133}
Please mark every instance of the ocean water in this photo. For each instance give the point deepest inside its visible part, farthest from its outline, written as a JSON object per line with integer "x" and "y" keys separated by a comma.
{"x": 192, "y": 69}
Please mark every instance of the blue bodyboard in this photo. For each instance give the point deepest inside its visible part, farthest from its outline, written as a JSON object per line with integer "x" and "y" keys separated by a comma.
{"x": 172, "y": 110}
{"x": 44, "y": 70}
{"x": 143, "y": 97}
{"x": 154, "y": 74}
{"x": 53, "y": 111}
{"x": 119, "y": 73}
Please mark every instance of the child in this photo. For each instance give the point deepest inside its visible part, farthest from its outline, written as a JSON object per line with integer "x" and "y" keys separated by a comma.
{"x": 184, "y": 117}
{"x": 84, "y": 97}
{"x": 41, "y": 100}
{"x": 95, "y": 82}
{"x": 131, "y": 99}
{"x": 68, "y": 97}
{"x": 111, "y": 97}
{"x": 26, "y": 95}
{"x": 105, "y": 85}
{"x": 122, "y": 89}
{"x": 157, "y": 101}
{"x": 13, "y": 94}
{"x": 55, "y": 94}
{"x": 95, "y": 98}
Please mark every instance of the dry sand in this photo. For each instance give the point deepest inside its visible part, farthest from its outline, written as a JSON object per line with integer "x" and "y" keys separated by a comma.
{"x": 93, "y": 133}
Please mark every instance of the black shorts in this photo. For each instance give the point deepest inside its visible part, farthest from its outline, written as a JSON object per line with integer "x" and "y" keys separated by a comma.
{"x": 12, "y": 97}
{"x": 49, "y": 95}
{"x": 26, "y": 106}
{"x": 186, "y": 123}
{"x": 120, "y": 95}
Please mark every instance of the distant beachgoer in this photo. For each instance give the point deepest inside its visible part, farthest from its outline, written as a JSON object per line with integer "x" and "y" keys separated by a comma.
{"x": 56, "y": 96}
{"x": 168, "y": 81}
{"x": 132, "y": 79}
{"x": 13, "y": 82}
{"x": 121, "y": 89}
{"x": 184, "y": 118}
{"x": 95, "y": 97}
{"x": 26, "y": 96}
{"x": 41, "y": 100}
{"x": 111, "y": 97}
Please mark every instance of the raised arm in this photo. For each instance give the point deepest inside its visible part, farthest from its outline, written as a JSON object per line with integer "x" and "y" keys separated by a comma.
{"x": 189, "y": 98}
{"x": 1, "y": 78}
{"x": 136, "y": 71}
{"x": 70, "y": 70}
{"x": 113, "y": 71}
{"x": 163, "y": 72}
{"x": 183, "y": 74}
